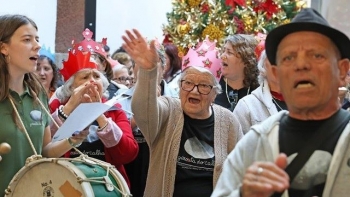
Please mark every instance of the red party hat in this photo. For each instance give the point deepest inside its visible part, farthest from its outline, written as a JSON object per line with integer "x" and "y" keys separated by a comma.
{"x": 76, "y": 62}
{"x": 89, "y": 45}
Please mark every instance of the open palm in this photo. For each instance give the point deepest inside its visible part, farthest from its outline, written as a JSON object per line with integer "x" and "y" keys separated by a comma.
{"x": 144, "y": 54}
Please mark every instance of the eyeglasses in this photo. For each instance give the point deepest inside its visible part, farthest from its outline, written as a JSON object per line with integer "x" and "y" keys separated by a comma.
{"x": 188, "y": 86}
{"x": 233, "y": 98}
{"x": 124, "y": 79}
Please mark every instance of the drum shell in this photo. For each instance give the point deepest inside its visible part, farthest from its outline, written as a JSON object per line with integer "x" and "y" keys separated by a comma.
{"x": 62, "y": 178}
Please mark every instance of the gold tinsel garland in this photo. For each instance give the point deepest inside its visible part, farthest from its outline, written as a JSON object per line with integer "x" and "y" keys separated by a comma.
{"x": 193, "y": 3}
{"x": 192, "y": 20}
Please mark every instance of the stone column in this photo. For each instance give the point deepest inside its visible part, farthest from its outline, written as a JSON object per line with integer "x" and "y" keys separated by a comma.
{"x": 69, "y": 26}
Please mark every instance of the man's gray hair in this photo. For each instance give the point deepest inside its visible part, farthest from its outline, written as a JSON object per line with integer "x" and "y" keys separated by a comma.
{"x": 261, "y": 67}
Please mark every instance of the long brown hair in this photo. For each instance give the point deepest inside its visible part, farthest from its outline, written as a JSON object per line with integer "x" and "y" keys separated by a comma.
{"x": 8, "y": 25}
{"x": 175, "y": 61}
{"x": 245, "y": 45}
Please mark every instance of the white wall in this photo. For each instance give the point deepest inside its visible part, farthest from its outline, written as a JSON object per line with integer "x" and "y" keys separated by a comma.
{"x": 338, "y": 15}
{"x": 113, "y": 17}
{"x": 43, "y": 12}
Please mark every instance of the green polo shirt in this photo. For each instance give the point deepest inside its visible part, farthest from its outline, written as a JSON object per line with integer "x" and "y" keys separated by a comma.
{"x": 35, "y": 120}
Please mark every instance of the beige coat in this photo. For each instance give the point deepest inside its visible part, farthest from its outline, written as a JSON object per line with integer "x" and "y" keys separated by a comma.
{"x": 161, "y": 121}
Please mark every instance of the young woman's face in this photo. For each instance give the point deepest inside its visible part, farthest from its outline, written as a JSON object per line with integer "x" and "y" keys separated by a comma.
{"x": 22, "y": 51}
{"x": 232, "y": 64}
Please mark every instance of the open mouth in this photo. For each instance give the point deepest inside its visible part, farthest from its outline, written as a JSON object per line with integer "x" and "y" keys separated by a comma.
{"x": 303, "y": 84}
{"x": 33, "y": 58}
{"x": 194, "y": 100}
{"x": 224, "y": 64}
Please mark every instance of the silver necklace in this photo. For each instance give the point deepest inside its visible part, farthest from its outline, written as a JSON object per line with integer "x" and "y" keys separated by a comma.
{"x": 228, "y": 99}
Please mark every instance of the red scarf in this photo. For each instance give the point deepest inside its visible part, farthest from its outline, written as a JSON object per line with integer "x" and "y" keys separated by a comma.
{"x": 277, "y": 96}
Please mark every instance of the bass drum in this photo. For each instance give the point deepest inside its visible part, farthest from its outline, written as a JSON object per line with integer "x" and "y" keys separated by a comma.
{"x": 63, "y": 177}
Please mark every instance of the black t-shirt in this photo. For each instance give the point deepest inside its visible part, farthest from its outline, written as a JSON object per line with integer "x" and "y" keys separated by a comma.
{"x": 137, "y": 169}
{"x": 293, "y": 135}
{"x": 196, "y": 159}
{"x": 92, "y": 149}
{"x": 223, "y": 100}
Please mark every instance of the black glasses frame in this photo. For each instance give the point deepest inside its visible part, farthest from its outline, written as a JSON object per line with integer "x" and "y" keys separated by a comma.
{"x": 196, "y": 85}
{"x": 123, "y": 79}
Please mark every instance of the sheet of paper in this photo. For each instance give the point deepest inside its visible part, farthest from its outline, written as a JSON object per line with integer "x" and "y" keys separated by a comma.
{"x": 83, "y": 116}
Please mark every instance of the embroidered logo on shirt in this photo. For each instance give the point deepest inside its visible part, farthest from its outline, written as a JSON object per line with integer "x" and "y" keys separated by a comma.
{"x": 36, "y": 116}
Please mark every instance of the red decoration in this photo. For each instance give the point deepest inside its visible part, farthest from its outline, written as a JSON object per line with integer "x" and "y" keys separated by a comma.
{"x": 261, "y": 46}
{"x": 76, "y": 62}
{"x": 207, "y": 63}
{"x": 269, "y": 7}
{"x": 186, "y": 62}
{"x": 166, "y": 39}
{"x": 89, "y": 45}
{"x": 205, "y": 8}
{"x": 201, "y": 52}
{"x": 233, "y": 3}
{"x": 239, "y": 24}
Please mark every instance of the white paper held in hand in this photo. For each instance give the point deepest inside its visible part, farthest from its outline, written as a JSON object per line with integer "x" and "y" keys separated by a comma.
{"x": 83, "y": 116}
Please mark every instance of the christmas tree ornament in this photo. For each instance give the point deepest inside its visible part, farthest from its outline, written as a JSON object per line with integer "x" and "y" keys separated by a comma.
{"x": 191, "y": 21}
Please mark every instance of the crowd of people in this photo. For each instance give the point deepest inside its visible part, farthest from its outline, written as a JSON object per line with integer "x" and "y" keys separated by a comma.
{"x": 261, "y": 116}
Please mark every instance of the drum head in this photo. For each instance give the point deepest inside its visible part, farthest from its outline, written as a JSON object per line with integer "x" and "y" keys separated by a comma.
{"x": 63, "y": 178}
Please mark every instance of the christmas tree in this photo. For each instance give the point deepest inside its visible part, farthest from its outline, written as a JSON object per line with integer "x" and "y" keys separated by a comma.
{"x": 191, "y": 21}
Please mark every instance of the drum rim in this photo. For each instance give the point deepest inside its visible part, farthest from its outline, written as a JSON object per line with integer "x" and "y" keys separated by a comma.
{"x": 67, "y": 163}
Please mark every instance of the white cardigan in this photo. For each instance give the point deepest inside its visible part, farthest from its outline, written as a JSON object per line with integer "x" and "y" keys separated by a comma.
{"x": 255, "y": 107}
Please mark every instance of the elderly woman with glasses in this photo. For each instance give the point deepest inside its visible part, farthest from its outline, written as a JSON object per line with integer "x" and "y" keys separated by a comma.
{"x": 189, "y": 138}
{"x": 121, "y": 77}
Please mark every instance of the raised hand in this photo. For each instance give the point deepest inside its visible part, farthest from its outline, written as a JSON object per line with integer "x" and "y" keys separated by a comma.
{"x": 262, "y": 179}
{"x": 85, "y": 93}
{"x": 92, "y": 95}
{"x": 144, "y": 54}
